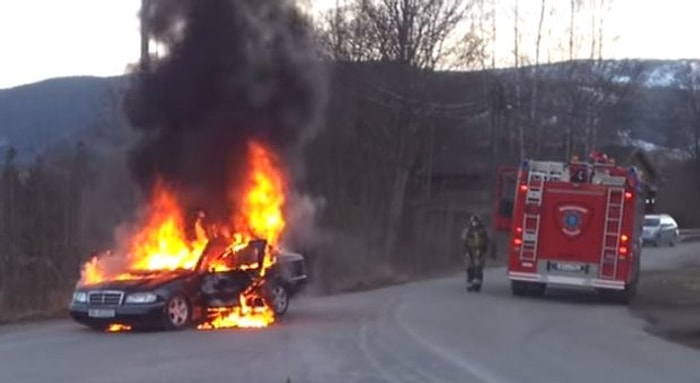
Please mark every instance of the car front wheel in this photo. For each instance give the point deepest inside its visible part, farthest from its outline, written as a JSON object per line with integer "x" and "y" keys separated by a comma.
{"x": 178, "y": 312}
{"x": 279, "y": 299}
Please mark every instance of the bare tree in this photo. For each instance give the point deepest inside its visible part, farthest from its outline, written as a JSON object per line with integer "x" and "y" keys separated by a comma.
{"x": 409, "y": 39}
{"x": 569, "y": 127}
{"x": 593, "y": 87}
{"x": 689, "y": 79}
{"x": 418, "y": 33}
{"x": 344, "y": 34}
{"x": 518, "y": 79}
{"x": 535, "y": 82}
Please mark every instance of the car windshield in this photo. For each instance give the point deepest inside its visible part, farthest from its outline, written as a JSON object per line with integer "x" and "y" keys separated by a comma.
{"x": 652, "y": 222}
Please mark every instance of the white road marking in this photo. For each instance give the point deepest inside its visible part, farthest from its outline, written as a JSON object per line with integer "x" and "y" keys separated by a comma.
{"x": 372, "y": 358}
{"x": 472, "y": 368}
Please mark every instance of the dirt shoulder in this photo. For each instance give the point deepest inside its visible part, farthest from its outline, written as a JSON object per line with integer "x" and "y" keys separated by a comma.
{"x": 670, "y": 302}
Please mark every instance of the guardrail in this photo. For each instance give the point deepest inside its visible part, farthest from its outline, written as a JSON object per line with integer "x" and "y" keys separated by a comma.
{"x": 689, "y": 234}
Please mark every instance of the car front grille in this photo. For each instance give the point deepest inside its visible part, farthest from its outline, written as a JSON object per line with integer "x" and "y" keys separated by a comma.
{"x": 105, "y": 298}
{"x": 298, "y": 269}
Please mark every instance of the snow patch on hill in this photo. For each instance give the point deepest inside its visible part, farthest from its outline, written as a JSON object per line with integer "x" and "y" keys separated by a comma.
{"x": 680, "y": 154}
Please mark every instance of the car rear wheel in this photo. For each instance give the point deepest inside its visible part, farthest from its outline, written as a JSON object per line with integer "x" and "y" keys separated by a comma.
{"x": 178, "y": 313}
{"x": 674, "y": 240}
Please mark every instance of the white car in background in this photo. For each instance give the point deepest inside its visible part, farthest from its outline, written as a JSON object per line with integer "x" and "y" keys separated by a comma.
{"x": 660, "y": 229}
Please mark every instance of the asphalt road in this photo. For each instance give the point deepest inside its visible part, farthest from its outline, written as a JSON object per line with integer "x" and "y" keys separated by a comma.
{"x": 422, "y": 332}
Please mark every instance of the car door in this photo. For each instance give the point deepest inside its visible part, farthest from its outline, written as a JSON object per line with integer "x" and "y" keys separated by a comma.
{"x": 231, "y": 273}
{"x": 673, "y": 229}
{"x": 665, "y": 232}
{"x": 667, "y": 229}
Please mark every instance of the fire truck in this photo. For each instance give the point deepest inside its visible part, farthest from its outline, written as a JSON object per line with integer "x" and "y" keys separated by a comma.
{"x": 575, "y": 223}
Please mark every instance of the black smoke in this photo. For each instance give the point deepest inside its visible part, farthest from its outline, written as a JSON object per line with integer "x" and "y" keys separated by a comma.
{"x": 233, "y": 70}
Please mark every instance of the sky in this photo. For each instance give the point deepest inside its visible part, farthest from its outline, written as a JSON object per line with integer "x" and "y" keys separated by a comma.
{"x": 40, "y": 39}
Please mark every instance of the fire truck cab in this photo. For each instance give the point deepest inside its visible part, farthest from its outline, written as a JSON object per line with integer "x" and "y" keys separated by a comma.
{"x": 576, "y": 224}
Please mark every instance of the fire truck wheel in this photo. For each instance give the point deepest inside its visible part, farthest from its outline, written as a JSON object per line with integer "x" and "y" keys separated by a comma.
{"x": 531, "y": 289}
{"x": 620, "y": 296}
{"x": 518, "y": 288}
{"x": 537, "y": 289}
{"x": 630, "y": 292}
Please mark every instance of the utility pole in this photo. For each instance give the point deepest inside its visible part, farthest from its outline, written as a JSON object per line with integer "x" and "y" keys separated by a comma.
{"x": 145, "y": 54}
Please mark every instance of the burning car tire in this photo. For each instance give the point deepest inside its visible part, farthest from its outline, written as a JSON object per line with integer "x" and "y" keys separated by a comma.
{"x": 177, "y": 313}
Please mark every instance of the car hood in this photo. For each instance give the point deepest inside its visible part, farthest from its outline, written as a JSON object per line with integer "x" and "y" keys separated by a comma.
{"x": 149, "y": 282}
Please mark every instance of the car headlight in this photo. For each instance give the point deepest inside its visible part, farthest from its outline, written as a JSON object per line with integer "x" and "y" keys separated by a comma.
{"x": 80, "y": 297}
{"x": 141, "y": 298}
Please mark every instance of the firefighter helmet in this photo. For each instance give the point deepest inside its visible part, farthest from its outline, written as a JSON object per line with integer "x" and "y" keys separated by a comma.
{"x": 474, "y": 220}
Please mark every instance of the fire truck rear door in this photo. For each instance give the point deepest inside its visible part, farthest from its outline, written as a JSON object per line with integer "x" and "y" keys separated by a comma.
{"x": 572, "y": 229}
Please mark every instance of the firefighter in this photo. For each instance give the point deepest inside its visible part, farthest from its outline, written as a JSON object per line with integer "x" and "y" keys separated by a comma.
{"x": 476, "y": 240}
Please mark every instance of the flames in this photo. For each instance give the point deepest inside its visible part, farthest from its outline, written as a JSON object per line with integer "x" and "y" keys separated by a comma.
{"x": 264, "y": 198}
{"x": 246, "y": 315}
{"x": 118, "y": 327}
{"x": 162, "y": 244}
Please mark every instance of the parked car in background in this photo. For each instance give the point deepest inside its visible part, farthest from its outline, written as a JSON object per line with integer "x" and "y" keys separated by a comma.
{"x": 660, "y": 229}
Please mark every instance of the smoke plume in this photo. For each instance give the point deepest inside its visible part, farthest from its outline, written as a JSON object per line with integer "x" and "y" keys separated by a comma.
{"x": 234, "y": 70}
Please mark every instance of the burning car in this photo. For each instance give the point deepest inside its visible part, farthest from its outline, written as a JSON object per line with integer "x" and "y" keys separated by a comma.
{"x": 173, "y": 272}
{"x": 230, "y": 286}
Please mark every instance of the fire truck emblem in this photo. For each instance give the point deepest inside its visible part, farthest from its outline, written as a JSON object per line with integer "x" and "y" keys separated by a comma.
{"x": 572, "y": 219}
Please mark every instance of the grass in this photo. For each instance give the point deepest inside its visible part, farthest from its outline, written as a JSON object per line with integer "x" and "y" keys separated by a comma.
{"x": 55, "y": 307}
{"x": 670, "y": 302}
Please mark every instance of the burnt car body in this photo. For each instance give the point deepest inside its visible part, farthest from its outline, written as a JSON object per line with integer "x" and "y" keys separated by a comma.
{"x": 183, "y": 298}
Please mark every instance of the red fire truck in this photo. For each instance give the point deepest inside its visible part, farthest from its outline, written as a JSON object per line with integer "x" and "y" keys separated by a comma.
{"x": 575, "y": 224}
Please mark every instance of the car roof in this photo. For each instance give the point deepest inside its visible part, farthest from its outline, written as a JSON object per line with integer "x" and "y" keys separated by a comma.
{"x": 657, "y": 216}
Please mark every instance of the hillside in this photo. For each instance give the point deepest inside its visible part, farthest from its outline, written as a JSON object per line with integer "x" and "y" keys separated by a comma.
{"x": 37, "y": 116}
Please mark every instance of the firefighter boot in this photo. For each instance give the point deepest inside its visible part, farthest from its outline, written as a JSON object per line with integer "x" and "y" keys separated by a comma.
{"x": 475, "y": 286}
{"x": 470, "y": 278}
{"x": 478, "y": 279}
